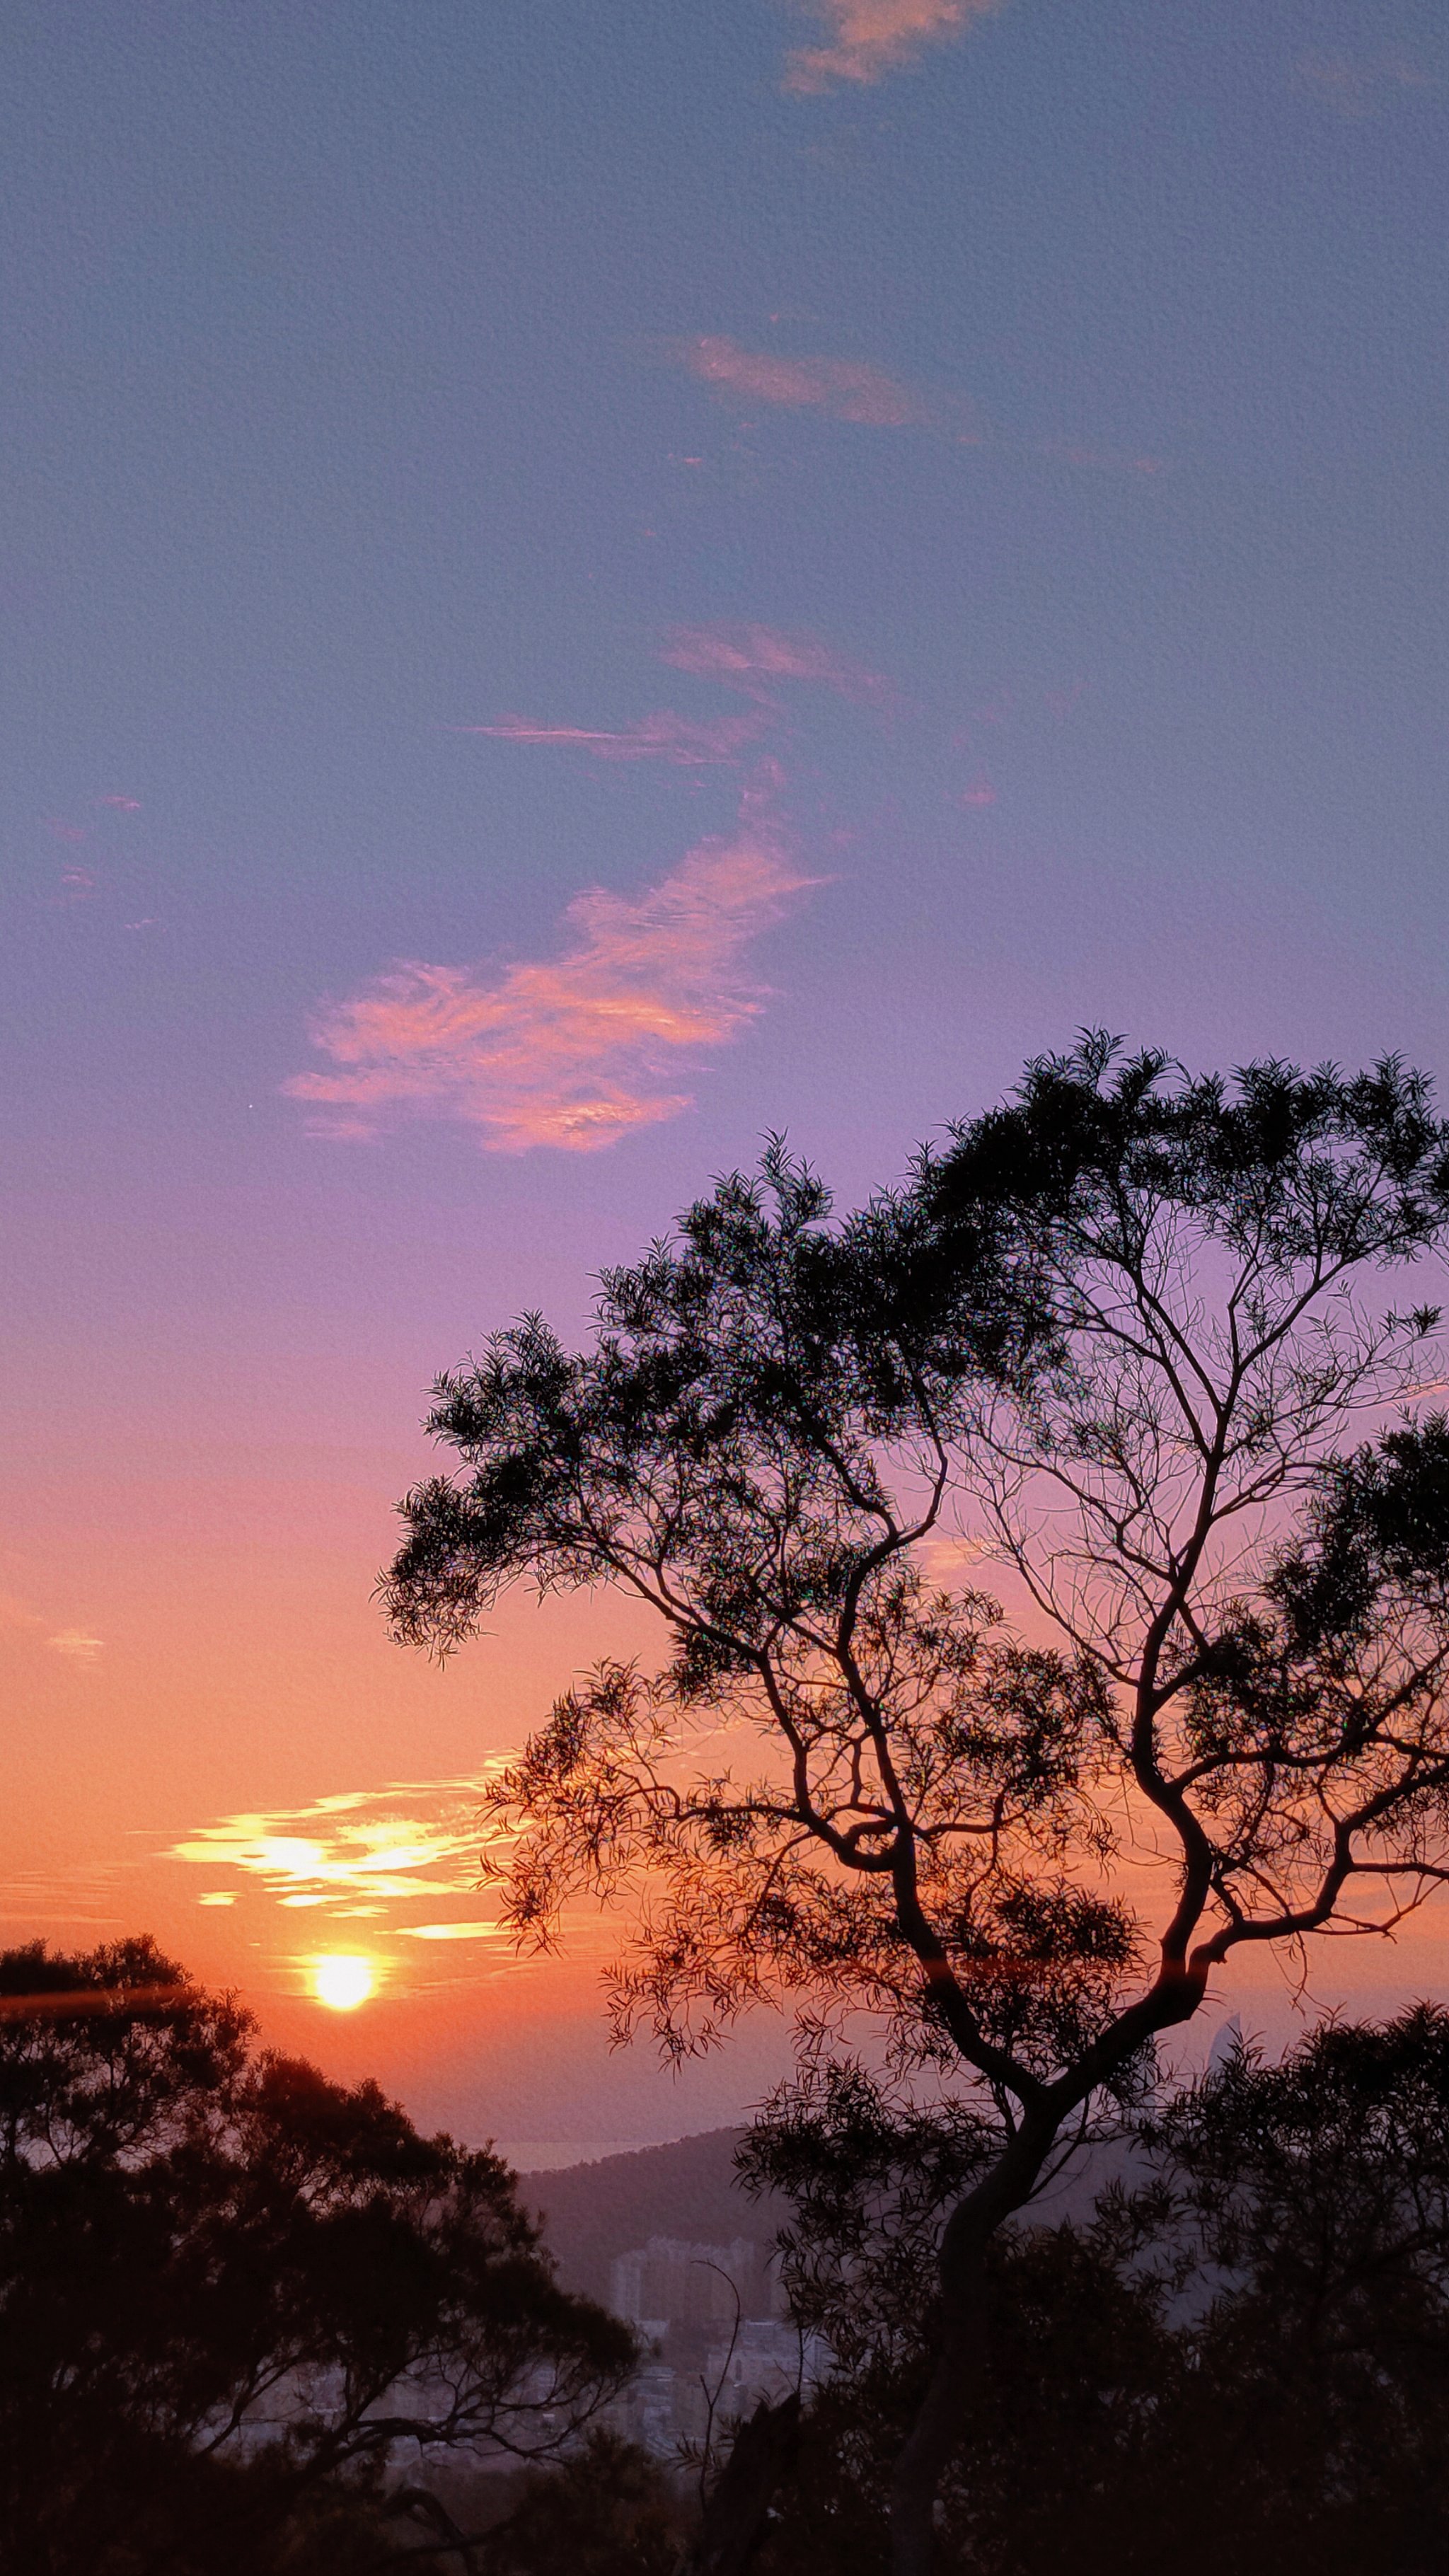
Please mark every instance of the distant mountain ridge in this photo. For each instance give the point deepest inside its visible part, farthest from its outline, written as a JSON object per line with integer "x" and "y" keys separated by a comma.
{"x": 592, "y": 2213}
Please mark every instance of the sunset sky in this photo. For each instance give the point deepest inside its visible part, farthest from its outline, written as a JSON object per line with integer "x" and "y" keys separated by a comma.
{"x": 582, "y": 580}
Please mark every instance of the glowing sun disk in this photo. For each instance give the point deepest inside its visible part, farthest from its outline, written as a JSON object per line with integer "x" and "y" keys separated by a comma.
{"x": 342, "y": 1982}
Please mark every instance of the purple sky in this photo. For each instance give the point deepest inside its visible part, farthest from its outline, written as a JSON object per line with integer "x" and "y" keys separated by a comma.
{"x": 584, "y": 579}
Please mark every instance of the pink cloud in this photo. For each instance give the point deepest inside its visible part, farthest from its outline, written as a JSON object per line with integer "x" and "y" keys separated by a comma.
{"x": 854, "y": 390}
{"x": 868, "y": 38}
{"x": 847, "y": 388}
{"x": 568, "y": 1052}
{"x": 664, "y": 736}
{"x": 744, "y": 657}
{"x": 17, "y": 1619}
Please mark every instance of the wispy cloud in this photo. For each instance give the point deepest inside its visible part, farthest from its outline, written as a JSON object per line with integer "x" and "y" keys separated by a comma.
{"x": 751, "y": 657}
{"x": 18, "y": 1619}
{"x": 865, "y": 39}
{"x": 77, "y": 1646}
{"x": 846, "y": 388}
{"x": 1358, "y": 86}
{"x": 681, "y": 740}
{"x": 566, "y": 1052}
{"x": 75, "y": 1896}
{"x": 75, "y": 885}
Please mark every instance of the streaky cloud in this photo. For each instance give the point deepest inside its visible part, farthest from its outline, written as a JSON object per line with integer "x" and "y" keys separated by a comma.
{"x": 77, "y": 1645}
{"x": 565, "y": 1052}
{"x": 390, "y": 1846}
{"x": 677, "y": 739}
{"x": 854, "y": 390}
{"x": 382, "y": 1856}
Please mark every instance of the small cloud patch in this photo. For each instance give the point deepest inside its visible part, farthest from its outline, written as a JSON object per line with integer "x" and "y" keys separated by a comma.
{"x": 77, "y": 1645}
{"x": 678, "y": 740}
{"x": 867, "y": 39}
{"x": 846, "y": 388}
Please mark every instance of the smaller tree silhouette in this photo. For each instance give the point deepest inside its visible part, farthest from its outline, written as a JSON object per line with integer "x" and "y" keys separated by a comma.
{"x": 1314, "y": 2196}
{"x": 200, "y": 2244}
{"x": 1239, "y": 2359}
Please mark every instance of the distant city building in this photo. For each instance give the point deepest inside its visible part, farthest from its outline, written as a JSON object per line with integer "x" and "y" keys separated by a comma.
{"x": 670, "y": 2283}
{"x": 713, "y": 2319}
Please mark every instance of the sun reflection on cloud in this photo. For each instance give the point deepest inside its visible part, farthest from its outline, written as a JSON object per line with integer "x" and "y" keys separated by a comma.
{"x": 357, "y": 1854}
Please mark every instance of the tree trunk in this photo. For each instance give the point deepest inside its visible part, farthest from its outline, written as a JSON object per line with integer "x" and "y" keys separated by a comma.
{"x": 959, "y": 2371}
{"x": 961, "y": 2363}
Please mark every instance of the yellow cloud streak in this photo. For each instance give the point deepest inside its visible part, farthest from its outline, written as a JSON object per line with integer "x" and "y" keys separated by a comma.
{"x": 386, "y": 1847}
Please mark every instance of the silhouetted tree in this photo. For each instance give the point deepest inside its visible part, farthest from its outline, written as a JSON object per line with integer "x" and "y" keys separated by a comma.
{"x": 197, "y": 2240}
{"x": 1118, "y": 1335}
{"x": 1059, "y": 2461}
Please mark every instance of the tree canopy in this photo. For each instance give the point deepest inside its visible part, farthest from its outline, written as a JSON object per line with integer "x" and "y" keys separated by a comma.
{"x": 1120, "y": 1340}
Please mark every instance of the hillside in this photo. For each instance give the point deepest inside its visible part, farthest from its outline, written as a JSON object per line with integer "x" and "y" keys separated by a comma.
{"x": 593, "y": 2212}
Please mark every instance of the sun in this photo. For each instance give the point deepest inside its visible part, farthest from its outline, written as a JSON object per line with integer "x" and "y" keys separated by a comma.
{"x": 342, "y": 1981}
